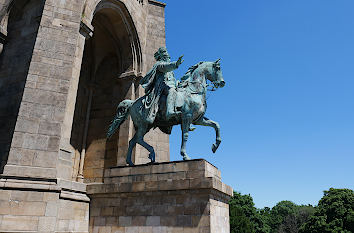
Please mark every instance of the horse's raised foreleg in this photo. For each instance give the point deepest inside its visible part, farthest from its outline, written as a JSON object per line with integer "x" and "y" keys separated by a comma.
{"x": 186, "y": 122}
{"x": 206, "y": 122}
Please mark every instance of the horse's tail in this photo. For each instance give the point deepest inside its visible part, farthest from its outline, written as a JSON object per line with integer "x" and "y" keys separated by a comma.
{"x": 121, "y": 116}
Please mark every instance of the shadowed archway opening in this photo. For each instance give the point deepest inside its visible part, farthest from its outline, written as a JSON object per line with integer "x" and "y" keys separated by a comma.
{"x": 109, "y": 67}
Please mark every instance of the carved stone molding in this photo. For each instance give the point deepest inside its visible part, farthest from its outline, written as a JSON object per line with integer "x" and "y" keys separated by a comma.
{"x": 67, "y": 189}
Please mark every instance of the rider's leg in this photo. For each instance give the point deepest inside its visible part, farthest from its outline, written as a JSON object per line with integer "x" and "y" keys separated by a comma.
{"x": 170, "y": 103}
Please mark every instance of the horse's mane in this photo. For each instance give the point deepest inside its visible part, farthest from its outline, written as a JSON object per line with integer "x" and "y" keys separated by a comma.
{"x": 190, "y": 70}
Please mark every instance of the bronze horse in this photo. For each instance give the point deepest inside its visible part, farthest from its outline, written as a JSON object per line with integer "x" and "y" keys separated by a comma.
{"x": 190, "y": 101}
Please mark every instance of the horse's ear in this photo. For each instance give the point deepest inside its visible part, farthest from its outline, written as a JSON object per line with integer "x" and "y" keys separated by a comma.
{"x": 217, "y": 61}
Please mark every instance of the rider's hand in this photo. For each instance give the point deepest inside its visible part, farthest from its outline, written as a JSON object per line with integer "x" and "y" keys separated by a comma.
{"x": 180, "y": 61}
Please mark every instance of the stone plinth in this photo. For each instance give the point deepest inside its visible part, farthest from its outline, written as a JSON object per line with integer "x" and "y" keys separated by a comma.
{"x": 183, "y": 196}
{"x": 42, "y": 205}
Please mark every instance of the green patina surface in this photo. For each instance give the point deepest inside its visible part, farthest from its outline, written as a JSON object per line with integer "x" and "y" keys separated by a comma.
{"x": 167, "y": 103}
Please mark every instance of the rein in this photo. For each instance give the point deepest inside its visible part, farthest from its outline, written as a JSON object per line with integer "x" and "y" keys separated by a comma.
{"x": 188, "y": 83}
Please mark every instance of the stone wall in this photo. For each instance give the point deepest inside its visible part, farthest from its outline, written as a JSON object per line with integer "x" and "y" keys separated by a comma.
{"x": 42, "y": 205}
{"x": 14, "y": 65}
{"x": 43, "y": 107}
{"x": 185, "y": 196}
{"x": 40, "y": 67}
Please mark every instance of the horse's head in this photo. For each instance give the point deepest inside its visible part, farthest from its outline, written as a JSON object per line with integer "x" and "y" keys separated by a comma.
{"x": 214, "y": 74}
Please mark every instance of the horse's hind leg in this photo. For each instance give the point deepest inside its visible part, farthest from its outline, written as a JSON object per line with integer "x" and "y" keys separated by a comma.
{"x": 140, "y": 140}
{"x": 149, "y": 148}
{"x": 206, "y": 122}
{"x": 132, "y": 143}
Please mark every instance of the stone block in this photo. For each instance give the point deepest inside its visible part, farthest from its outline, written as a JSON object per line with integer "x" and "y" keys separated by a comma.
{"x": 125, "y": 221}
{"x": 153, "y": 221}
{"x": 26, "y": 196}
{"x": 27, "y": 208}
{"x": 5, "y": 207}
{"x": 46, "y": 224}
{"x": 115, "y": 229}
{"x": 5, "y": 195}
{"x": 27, "y": 125}
{"x": 139, "y": 221}
{"x": 50, "y": 196}
{"x": 167, "y": 220}
{"x": 51, "y": 209}
{"x": 48, "y": 128}
{"x": 21, "y": 157}
{"x": 107, "y": 211}
{"x": 19, "y": 223}
{"x": 26, "y": 171}
{"x": 45, "y": 159}
{"x": 124, "y": 171}
{"x": 63, "y": 225}
{"x": 138, "y": 186}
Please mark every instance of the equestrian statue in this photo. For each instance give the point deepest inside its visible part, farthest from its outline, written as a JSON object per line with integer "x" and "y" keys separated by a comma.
{"x": 167, "y": 103}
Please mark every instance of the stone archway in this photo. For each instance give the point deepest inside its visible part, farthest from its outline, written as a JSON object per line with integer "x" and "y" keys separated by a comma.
{"x": 110, "y": 66}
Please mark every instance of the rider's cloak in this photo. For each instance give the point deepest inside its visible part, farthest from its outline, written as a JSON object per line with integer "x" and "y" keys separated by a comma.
{"x": 154, "y": 86}
{"x": 154, "y": 83}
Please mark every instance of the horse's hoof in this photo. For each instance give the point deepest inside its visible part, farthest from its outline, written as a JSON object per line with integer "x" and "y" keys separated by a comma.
{"x": 186, "y": 157}
{"x": 192, "y": 128}
{"x": 214, "y": 148}
{"x": 152, "y": 157}
{"x": 130, "y": 163}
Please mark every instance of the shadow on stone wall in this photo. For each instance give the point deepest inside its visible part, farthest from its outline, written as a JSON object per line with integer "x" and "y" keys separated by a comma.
{"x": 23, "y": 23}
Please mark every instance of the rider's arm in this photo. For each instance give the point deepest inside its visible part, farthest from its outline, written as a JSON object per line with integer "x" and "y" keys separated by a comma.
{"x": 167, "y": 66}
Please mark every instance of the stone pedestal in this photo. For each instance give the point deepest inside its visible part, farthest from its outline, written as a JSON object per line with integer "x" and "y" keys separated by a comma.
{"x": 183, "y": 196}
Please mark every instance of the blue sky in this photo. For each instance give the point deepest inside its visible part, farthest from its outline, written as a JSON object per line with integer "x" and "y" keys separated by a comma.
{"x": 287, "y": 110}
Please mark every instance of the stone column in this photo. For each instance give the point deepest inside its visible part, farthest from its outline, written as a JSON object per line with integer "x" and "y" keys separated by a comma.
{"x": 36, "y": 191}
{"x": 126, "y": 130}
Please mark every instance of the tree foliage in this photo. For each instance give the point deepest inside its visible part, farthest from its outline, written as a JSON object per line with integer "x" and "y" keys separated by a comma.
{"x": 284, "y": 217}
{"x": 334, "y": 213}
{"x": 244, "y": 216}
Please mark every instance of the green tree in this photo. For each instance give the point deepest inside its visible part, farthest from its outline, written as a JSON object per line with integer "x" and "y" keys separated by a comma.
{"x": 293, "y": 221}
{"x": 244, "y": 216}
{"x": 239, "y": 222}
{"x": 284, "y": 210}
{"x": 334, "y": 213}
{"x": 286, "y": 216}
